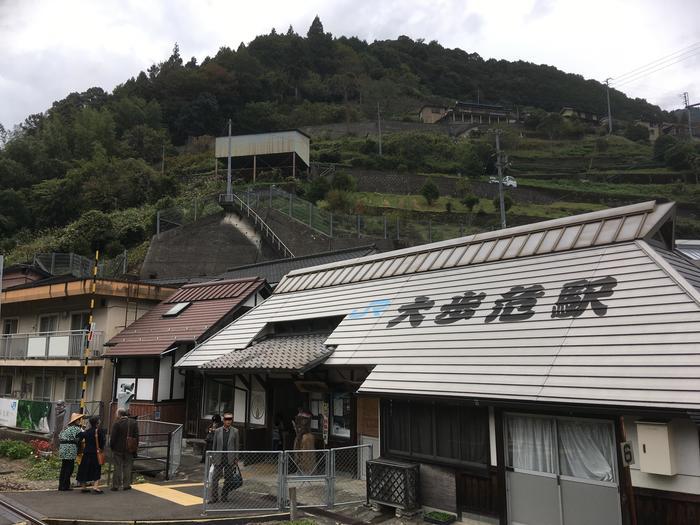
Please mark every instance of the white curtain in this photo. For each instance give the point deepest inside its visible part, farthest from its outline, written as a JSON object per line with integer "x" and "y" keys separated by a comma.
{"x": 586, "y": 450}
{"x": 531, "y": 443}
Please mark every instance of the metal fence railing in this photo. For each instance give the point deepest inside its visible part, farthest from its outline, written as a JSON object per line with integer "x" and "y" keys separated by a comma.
{"x": 343, "y": 225}
{"x": 79, "y": 266}
{"x": 260, "y": 480}
{"x": 66, "y": 344}
{"x": 160, "y": 449}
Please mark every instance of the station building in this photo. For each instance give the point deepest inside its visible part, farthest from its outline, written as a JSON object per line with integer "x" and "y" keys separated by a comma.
{"x": 529, "y": 372}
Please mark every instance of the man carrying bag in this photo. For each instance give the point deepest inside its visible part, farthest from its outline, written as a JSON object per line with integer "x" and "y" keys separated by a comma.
{"x": 123, "y": 441}
{"x": 224, "y": 463}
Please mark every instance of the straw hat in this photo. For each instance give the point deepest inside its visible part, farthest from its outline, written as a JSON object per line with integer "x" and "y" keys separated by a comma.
{"x": 75, "y": 417}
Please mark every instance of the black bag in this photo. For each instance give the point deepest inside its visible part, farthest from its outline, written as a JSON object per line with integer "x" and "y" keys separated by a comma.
{"x": 235, "y": 481}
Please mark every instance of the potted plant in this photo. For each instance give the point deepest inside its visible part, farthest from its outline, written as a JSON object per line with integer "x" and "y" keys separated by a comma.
{"x": 439, "y": 518}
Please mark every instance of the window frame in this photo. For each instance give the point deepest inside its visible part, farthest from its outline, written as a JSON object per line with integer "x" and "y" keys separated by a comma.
{"x": 137, "y": 375}
{"x": 387, "y": 428}
{"x": 47, "y": 316}
{"x": 10, "y": 320}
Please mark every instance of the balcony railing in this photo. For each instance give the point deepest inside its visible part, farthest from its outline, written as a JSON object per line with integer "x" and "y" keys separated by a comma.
{"x": 50, "y": 345}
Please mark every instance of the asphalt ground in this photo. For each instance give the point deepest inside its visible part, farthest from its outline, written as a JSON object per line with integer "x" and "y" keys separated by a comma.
{"x": 175, "y": 502}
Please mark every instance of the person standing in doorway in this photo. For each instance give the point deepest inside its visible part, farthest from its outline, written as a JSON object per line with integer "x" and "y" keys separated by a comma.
{"x": 123, "y": 441}
{"x": 224, "y": 464}
{"x": 209, "y": 438}
{"x": 68, "y": 450}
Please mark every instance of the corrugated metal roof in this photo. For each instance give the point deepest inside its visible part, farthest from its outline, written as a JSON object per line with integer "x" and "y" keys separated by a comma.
{"x": 289, "y": 353}
{"x": 209, "y": 291}
{"x": 644, "y": 350}
{"x": 153, "y": 334}
{"x": 273, "y": 271}
{"x": 638, "y": 221}
{"x": 265, "y": 144}
{"x": 689, "y": 248}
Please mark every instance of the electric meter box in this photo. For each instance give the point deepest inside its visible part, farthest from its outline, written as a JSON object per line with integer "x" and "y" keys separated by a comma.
{"x": 656, "y": 453}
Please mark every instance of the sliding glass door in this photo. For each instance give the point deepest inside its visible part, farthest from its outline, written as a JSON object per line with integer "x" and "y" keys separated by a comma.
{"x": 556, "y": 467}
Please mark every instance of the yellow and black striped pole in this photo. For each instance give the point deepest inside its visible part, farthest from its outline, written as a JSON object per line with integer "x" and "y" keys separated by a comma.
{"x": 88, "y": 339}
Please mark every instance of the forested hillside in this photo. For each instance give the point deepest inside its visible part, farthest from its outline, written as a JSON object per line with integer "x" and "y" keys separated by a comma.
{"x": 102, "y": 151}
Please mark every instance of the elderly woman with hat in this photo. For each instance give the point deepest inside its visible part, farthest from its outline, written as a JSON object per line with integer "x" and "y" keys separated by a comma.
{"x": 68, "y": 450}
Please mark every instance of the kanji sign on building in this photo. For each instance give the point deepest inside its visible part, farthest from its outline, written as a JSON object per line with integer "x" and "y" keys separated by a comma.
{"x": 513, "y": 305}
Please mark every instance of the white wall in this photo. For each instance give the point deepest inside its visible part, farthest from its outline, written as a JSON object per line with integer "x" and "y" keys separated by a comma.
{"x": 687, "y": 451}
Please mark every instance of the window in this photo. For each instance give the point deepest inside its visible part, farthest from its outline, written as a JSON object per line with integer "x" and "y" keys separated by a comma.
{"x": 176, "y": 310}
{"x": 136, "y": 378}
{"x": 10, "y": 326}
{"x": 79, "y": 321}
{"x": 74, "y": 389}
{"x": 577, "y": 448}
{"x": 315, "y": 407}
{"x": 218, "y": 395}
{"x": 43, "y": 388}
{"x": 450, "y": 433}
{"x": 341, "y": 416}
{"x": 48, "y": 323}
{"x": 5, "y": 385}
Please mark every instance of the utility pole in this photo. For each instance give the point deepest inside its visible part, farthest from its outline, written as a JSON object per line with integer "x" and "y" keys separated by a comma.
{"x": 499, "y": 167}
{"x": 607, "y": 92}
{"x": 686, "y": 101}
{"x": 162, "y": 161}
{"x": 379, "y": 129}
{"x": 228, "y": 171}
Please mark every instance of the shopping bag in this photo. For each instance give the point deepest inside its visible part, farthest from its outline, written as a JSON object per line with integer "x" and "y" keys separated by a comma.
{"x": 235, "y": 480}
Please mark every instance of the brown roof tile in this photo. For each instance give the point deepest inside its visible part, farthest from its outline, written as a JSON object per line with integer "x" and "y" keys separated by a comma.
{"x": 153, "y": 334}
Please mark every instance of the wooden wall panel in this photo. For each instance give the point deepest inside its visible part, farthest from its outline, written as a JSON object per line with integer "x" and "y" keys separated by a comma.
{"x": 368, "y": 416}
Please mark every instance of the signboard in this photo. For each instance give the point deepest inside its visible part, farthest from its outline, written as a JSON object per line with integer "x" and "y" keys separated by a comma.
{"x": 627, "y": 453}
{"x": 8, "y": 412}
{"x": 257, "y": 407}
{"x": 324, "y": 418}
{"x": 126, "y": 390}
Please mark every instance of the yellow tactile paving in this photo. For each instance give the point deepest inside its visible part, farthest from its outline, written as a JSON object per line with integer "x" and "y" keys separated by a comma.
{"x": 168, "y": 493}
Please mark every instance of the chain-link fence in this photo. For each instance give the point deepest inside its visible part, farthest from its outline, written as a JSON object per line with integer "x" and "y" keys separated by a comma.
{"x": 349, "y": 483}
{"x": 242, "y": 480}
{"x": 260, "y": 480}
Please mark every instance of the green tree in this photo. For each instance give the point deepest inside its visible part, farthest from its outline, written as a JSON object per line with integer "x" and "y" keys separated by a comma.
{"x": 430, "y": 192}
{"x": 663, "y": 144}
{"x": 637, "y": 132}
{"x": 317, "y": 189}
{"x": 343, "y": 182}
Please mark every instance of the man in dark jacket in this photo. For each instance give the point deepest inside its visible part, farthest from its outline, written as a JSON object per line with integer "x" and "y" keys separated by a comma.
{"x": 123, "y": 428}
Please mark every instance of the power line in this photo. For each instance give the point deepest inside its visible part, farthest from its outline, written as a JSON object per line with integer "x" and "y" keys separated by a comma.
{"x": 643, "y": 72}
{"x": 647, "y": 73}
{"x": 655, "y": 62}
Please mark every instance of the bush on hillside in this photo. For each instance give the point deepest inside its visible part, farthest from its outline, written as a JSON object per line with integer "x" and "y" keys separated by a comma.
{"x": 430, "y": 192}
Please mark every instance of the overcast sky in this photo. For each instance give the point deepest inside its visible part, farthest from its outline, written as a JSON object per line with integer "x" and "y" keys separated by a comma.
{"x": 49, "y": 48}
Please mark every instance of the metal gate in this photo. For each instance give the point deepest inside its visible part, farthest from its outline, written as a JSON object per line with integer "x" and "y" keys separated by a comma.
{"x": 260, "y": 480}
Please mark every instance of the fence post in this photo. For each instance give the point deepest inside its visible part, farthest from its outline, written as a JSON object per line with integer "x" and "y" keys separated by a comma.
{"x": 358, "y": 226}
{"x": 270, "y": 206}
{"x": 125, "y": 266}
{"x": 330, "y": 477}
{"x": 461, "y": 229}
{"x": 398, "y": 237}
{"x": 167, "y": 457}
{"x": 290, "y": 205}
{"x": 331, "y": 226}
{"x": 195, "y": 208}
{"x": 311, "y": 211}
{"x": 430, "y": 230}
{"x": 158, "y": 222}
{"x": 281, "y": 483}
{"x": 293, "y": 504}
{"x": 385, "y": 230}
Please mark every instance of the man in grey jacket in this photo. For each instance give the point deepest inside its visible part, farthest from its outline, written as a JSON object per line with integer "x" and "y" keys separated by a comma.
{"x": 224, "y": 464}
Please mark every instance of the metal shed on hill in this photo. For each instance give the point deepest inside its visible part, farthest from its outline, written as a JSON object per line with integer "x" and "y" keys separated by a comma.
{"x": 285, "y": 150}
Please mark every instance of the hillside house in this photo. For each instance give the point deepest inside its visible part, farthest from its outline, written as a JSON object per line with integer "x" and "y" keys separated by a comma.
{"x": 513, "y": 366}
{"x": 466, "y": 112}
{"x": 45, "y": 330}
{"x": 580, "y": 114}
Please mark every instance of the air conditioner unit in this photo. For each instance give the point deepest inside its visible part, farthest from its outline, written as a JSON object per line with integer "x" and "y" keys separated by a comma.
{"x": 393, "y": 483}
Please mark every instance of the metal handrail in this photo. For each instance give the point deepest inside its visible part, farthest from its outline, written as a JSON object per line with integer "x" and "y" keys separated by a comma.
{"x": 258, "y": 221}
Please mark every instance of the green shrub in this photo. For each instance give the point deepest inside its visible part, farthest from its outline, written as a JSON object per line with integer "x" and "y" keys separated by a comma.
{"x": 44, "y": 469}
{"x": 14, "y": 449}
